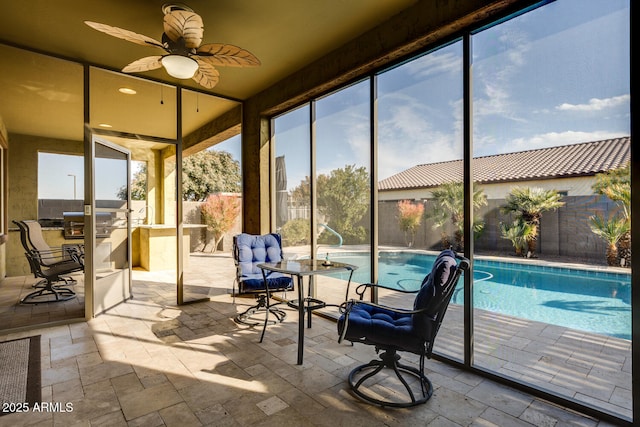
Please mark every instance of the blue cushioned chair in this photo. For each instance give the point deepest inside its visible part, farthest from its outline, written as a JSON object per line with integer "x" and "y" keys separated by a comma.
{"x": 248, "y": 251}
{"x": 392, "y": 330}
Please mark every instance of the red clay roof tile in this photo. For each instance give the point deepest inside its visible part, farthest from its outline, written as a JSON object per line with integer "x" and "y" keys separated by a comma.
{"x": 587, "y": 158}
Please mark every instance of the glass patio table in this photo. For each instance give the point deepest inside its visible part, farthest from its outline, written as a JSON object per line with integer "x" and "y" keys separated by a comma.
{"x": 306, "y": 268}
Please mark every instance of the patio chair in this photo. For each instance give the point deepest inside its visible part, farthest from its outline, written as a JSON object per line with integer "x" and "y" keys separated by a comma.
{"x": 50, "y": 265}
{"x": 249, "y": 251}
{"x": 34, "y": 239}
{"x": 393, "y": 329}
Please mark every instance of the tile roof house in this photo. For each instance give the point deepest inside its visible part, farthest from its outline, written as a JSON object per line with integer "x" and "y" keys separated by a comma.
{"x": 544, "y": 167}
{"x": 568, "y": 169}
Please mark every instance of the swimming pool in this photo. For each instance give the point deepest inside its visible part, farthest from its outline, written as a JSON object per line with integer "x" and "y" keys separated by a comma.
{"x": 591, "y": 301}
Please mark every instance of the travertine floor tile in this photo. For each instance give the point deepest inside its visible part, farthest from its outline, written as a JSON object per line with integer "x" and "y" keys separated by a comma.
{"x": 272, "y": 405}
{"x": 149, "y": 362}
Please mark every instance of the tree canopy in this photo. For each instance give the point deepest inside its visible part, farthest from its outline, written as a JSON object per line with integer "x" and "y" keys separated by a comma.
{"x": 203, "y": 173}
{"x": 343, "y": 196}
{"x": 409, "y": 218}
{"x": 343, "y": 200}
{"x": 209, "y": 172}
{"x": 138, "y": 185}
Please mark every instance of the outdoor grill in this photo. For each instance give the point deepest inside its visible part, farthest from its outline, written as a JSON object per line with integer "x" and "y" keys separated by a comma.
{"x": 74, "y": 224}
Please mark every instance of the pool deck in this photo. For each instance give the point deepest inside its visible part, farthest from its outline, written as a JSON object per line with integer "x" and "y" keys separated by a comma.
{"x": 589, "y": 368}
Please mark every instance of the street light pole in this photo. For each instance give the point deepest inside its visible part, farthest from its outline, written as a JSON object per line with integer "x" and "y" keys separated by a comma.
{"x": 74, "y": 185}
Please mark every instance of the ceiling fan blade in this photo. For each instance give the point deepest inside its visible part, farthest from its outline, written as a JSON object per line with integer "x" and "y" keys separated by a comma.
{"x": 227, "y": 55}
{"x": 188, "y": 25}
{"x": 206, "y": 75}
{"x": 124, "y": 34}
{"x": 143, "y": 64}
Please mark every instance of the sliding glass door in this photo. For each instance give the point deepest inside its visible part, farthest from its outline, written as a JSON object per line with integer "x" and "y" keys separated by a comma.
{"x": 510, "y": 144}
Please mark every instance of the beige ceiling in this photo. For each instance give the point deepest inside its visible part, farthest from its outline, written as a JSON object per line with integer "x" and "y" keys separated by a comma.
{"x": 43, "y": 96}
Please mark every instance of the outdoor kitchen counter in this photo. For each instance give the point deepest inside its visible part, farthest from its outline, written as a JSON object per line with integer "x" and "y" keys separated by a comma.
{"x": 157, "y": 245}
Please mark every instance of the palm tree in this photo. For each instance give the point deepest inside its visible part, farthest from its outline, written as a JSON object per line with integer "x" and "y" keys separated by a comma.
{"x": 519, "y": 233}
{"x": 449, "y": 205}
{"x": 528, "y": 204}
{"x": 611, "y": 230}
{"x": 621, "y": 194}
{"x": 616, "y": 185}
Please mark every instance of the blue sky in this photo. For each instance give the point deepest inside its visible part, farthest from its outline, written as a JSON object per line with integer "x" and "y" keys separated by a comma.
{"x": 554, "y": 76}
{"x": 58, "y": 182}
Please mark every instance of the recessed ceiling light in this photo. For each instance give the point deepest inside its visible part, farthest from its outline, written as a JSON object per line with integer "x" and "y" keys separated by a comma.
{"x": 104, "y": 125}
{"x": 127, "y": 90}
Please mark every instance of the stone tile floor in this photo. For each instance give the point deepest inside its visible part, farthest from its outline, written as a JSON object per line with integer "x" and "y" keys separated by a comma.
{"x": 16, "y": 315}
{"x": 149, "y": 362}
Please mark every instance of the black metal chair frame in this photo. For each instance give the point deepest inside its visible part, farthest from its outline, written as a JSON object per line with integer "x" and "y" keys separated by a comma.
{"x": 51, "y": 266}
{"x": 50, "y": 276}
{"x": 390, "y": 359}
{"x": 54, "y": 255}
{"x": 263, "y": 297}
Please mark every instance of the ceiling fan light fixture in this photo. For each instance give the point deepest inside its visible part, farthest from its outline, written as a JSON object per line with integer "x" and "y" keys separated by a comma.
{"x": 185, "y": 55}
{"x": 179, "y": 66}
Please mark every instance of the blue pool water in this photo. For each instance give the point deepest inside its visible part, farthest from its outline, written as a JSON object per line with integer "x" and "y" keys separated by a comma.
{"x": 592, "y": 301}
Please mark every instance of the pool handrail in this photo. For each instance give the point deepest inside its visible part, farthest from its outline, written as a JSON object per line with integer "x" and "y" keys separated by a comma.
{"x": 334, "y": 232}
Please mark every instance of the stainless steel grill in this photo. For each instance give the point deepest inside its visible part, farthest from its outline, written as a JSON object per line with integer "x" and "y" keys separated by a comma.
{"x": 74, "y": 224}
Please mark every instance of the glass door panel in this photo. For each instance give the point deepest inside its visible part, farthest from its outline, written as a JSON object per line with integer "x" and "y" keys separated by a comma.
{"x": 211, "y": 195}
{"x": 111, "y": 228}
{"x": 292, "y": 136}
{"x": 42, "y": 108}
{"x": 537, "y": 96}
{"x": 343, "y": 189}
{"x": 420, "y": 193}
{"x": 140, "y": 115}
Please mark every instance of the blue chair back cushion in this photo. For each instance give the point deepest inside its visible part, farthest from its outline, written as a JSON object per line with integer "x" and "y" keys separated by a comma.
{"x": 385, "y": 328}
{"x": 435, "y": 289}
{"x": 252, "y": 250}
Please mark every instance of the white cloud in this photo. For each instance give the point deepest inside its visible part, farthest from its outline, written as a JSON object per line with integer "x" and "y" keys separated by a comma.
{"x": 554, "y": 139}
{"x": 493, "y": 79}
{"x": 435, "y": 63}
{"x": 596, "y": 104}
{"x": 407, "y": 139}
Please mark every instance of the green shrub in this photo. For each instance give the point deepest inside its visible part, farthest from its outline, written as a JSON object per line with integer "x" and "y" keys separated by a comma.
{"x": 296, "y": 232}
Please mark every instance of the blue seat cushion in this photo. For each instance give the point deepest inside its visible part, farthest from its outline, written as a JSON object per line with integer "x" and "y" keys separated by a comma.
{"x": 256, "y": 249}
{"x": 377, "y": 326}
{"x": 255, "y": 282}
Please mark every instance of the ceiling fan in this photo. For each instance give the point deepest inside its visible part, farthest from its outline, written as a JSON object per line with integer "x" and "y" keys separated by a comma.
{"x": 186, "y": 57}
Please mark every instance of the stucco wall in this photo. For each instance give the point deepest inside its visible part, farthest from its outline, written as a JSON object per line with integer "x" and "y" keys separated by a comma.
{"x": 564, "y": 232}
